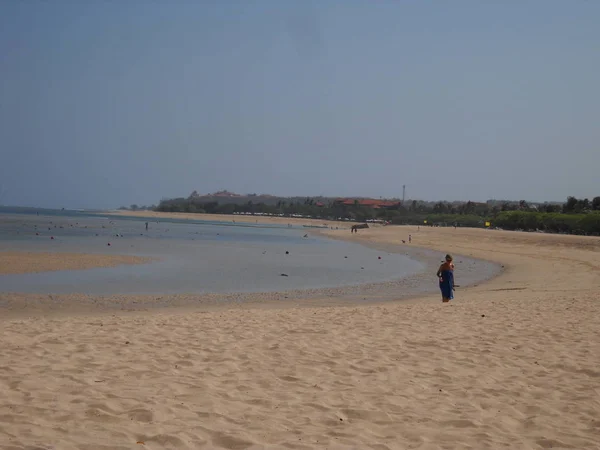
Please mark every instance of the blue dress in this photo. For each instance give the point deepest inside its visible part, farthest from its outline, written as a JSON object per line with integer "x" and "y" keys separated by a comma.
{"x": 446, "y": 284}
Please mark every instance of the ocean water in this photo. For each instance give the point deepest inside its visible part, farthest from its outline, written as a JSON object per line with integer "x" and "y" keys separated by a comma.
{"x": 194, "y": 256}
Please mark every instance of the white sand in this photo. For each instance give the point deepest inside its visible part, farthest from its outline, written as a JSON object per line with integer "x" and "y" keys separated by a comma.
{"x": 417, "y": 374}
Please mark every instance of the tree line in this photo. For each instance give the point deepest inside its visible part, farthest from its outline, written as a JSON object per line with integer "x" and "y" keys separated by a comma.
{"x": 577, "y": 216}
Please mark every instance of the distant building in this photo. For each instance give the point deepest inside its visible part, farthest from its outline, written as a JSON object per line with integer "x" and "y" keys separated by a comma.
{"x": 224, "y": 193}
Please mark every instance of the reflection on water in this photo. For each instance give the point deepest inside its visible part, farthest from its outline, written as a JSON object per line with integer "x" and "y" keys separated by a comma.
{"x": 194, "y": 257}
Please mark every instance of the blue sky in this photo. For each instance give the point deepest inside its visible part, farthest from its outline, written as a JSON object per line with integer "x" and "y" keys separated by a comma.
{"x": 105, "y": 104}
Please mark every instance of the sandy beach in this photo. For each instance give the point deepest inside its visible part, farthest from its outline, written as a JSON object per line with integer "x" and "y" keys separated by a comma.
{"x": 157, "y": 215}
{"x": 510, "y": 363}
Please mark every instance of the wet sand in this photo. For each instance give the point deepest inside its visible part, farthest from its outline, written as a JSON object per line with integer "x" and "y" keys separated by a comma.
{"x": 13, "y": 262}
{"x": 510, "y": 363}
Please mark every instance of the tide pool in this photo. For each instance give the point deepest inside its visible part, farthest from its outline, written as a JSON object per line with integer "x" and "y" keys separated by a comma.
{"x": 193, "y": 257}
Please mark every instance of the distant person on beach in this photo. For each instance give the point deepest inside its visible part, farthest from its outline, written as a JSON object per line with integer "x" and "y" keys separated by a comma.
{"x": 146, "y": 226}
{"x": 409, "y": 238}
{"x": 446, "y": 276}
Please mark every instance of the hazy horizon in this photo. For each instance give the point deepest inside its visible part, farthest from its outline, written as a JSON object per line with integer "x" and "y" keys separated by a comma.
{"x": 108, "y": 104}
{"x": 248, "y": 195}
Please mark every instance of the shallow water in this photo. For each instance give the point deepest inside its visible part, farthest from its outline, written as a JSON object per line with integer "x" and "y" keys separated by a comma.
{"x": 195, "y": 257}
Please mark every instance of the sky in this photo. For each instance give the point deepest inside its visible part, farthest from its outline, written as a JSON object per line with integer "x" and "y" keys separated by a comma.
{"x": 110, "y": 103}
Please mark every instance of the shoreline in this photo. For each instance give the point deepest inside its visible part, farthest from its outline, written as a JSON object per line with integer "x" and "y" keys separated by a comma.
{"x": 17, "y": 304}
{"x": 411, "y": 288}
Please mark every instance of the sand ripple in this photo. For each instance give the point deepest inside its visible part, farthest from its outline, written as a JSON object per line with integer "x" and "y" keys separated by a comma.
{"x": 398, "y": 376}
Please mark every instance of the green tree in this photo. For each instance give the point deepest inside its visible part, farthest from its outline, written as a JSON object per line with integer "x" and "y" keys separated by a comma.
{"x": 571, "y": 205}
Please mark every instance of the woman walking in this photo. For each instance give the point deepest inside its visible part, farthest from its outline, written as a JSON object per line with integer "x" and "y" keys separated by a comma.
{"x": 446, "y": 276}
